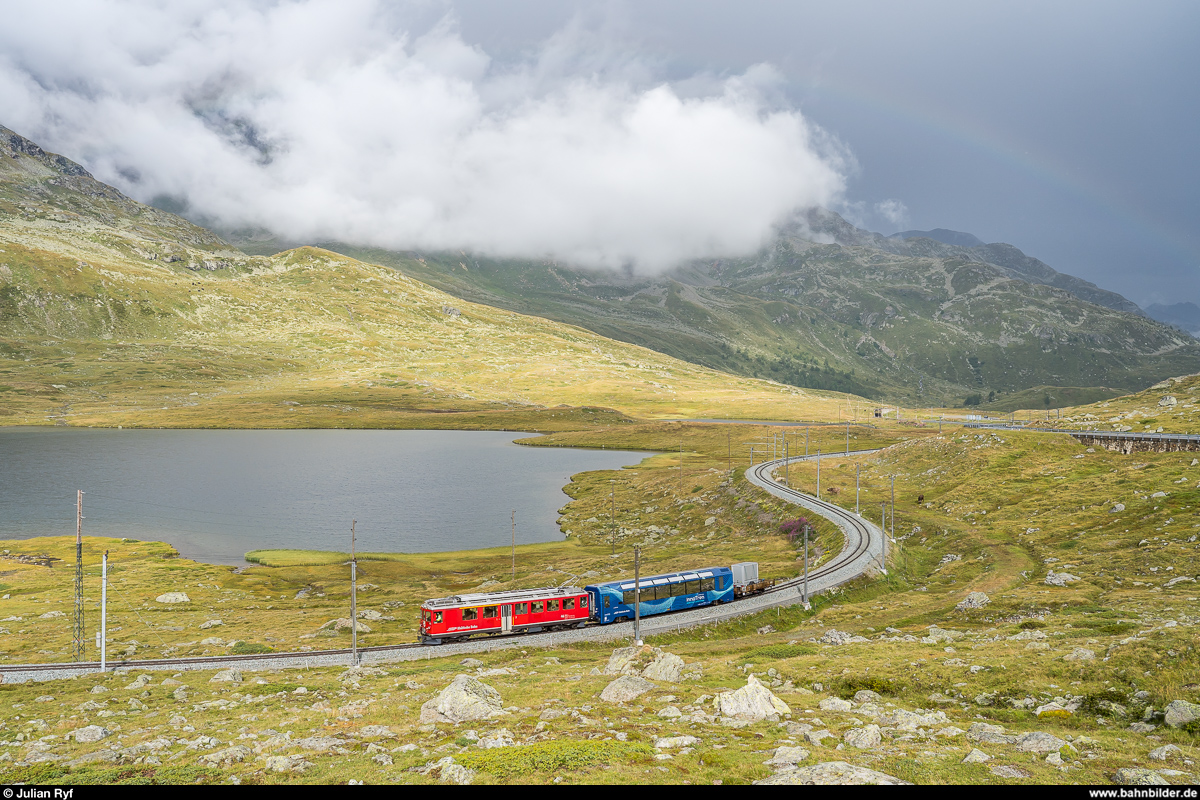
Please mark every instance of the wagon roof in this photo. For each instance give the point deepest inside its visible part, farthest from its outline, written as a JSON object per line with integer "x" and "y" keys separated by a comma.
{"x": 494, "y": 598}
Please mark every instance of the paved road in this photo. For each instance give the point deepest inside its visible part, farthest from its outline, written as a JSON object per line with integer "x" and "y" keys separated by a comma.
{"x": 861, "y": 552}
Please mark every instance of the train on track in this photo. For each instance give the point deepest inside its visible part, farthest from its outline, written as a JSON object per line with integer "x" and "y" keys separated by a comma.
{"x": 535, "y": 610}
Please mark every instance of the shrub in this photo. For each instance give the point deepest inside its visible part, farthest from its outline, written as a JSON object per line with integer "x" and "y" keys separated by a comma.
{"x": 249, "y": 648}
{"x": 848, "y": 687}
{"x": 1031, "y": 625}
{"x": 563, "y": 754}
{"x": 1095, "y": 703}
{"x": 780, "y": 651}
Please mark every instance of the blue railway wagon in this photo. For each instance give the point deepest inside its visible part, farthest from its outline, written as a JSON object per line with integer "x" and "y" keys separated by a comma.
{"x": 674, "y": 591}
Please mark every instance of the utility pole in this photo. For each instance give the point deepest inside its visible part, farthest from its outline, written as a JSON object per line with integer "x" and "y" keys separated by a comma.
{"x": 353, "y": 598}
{"x": 514, "y": 543}
{"x": 818, "y": 474}
{"x": 77, "y": 626}
{"x": 612, "y": 522}
{"x": 806, "y": 441}
{"x": 847, "y": 438}
{"x": 893, "y": 507}
{"x": 857, "y": 478}
{"x": 637, "y": 597}
{"x": 786, "y": 482}
{"x": 729, "y": 451}
{"x": 885, "y": 544}
{"x": 681, "y": 466}
{"x": 104, "y": 613}
{"x": 806, "y": 532}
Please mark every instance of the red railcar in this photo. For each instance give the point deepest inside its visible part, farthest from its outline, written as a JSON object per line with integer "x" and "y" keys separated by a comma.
{"x": 522, "y": 610}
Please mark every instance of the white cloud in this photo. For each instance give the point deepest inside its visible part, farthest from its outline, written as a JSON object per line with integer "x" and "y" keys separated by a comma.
{"x": 320, "y": 119}
{"x": 894, "y": 211}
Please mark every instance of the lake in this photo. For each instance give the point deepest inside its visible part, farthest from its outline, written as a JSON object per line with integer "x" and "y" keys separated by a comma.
{"x": 215, "y": 495}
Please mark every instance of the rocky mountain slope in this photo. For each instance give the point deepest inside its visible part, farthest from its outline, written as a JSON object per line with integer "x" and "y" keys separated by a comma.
{"x": 831, "y": 306}
{"x": 112, "y": 312}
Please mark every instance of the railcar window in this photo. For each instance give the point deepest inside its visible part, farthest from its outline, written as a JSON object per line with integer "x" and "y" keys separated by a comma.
{"x": 522, "y": 608}
{"x": 437, "y": 617}
{"x": 678, "y": 589}
{"x": 607, "y": 601}
{"x": 489, "y": 612}
{"x": 627, "y": 598}
{"x": 470, "y": 613}
{"x": 552, "y": 605}
{"x": 539, "y": 607}
{"x": 583, "y": 602}
{"x": 706, "y": 584}
{"x": 569, "y": 604}
{"x": 693, "y": 587}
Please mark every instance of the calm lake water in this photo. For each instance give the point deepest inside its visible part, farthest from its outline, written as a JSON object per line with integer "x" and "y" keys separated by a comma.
{"x": 215, "y": 495}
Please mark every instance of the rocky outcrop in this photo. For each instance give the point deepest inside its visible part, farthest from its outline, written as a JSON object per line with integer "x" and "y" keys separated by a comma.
{"x": 464, "y": 699}
{"x": 626, "y": 688}
{"x": 753, "y": 702}
{"x": 173, "y": 597}
{"x": 973, "y": 600}
{"x": 832, "y": 773}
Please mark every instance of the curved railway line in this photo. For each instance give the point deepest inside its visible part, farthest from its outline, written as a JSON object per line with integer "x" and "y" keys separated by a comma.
{"x": 862, "y": 550}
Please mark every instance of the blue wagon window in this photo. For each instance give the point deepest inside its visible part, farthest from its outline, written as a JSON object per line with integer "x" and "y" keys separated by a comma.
{"x": 628, "y": 597}
{"x": 693, "y": 587}
{"x": 607, "y": 603}
{"x": 706, "y": 584}
{"x": 678, "y": 589}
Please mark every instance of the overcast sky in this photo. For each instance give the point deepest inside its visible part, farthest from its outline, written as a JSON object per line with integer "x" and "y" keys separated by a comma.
{"x": 639, "y": 132}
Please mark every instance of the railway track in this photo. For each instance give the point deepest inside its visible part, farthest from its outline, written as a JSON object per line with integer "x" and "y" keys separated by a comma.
{"x": 862, "y": 549}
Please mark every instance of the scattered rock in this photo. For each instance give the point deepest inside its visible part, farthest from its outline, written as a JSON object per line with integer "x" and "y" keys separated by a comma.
{"x": 1080, "y": 654}
{"x": 841, "y": 637}
{"x": 344, "y": 625}
{"x": 1167, "y": 400}
{"x": 1053, "y": 710}
{"x": 1136, "y": 776}
{"x": 863, "y": 738}
{"x": 91, "y": 733}
{"x": 626, "y": 688}
{"x": 1119, "y": 507}
{"x": 227, "y": 756}
{"x": 447, "y": 770}
{"x": 139, "y": 683}
{"x": 1059, "y": 578}
{"x": 784, "y": 757}
{"x": 52, "y": 615}
{"x": 989, "y": 734}
{"x": 173, "y": 597}
{"x": 1040, "y": 742}
{"x": 212, "y": 623}
{"x": 867, "y": 696}
{"x": 464, "y": 699}
{"x": 814, "y": 737}
{"x": 1165, "y": 752}
{"x": 1180, "y": 712}
{"x": 831, "y": 773}
{"x": 973, "y": 600}
{"x": 835, "y": 704}
{"x": 471, "y": 663}
{"x": 670, "y": 712}
{"x": 227, "y": 676}
{"x": 1005, "y": 771}
{"x": 666, "y": 667}
{"x": 976, "y": 756}
{"x": 752, "y": 702}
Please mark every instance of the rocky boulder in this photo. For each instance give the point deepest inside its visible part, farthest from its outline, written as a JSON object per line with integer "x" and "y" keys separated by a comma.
{"x": 832, "y": 773}
{"x": 1180, "y": 712}
{"x": 1136, "y": 776}
{"x": 973, "y": 600}
{"x": 652, "y": 663}
{"x": 227, "y": 676}
{"x": 626, "y": 688}
{"x": 864, "y": 738}
{"x": 753, "y": 702}
{"x": 173, "y": 597}
{"x": 466, "y": 698}
{"x": 91, "y": 733}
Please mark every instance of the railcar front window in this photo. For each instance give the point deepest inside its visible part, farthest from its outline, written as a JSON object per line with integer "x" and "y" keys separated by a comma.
{"x": 437, "y": 617}
{"x": 607, "y": 601}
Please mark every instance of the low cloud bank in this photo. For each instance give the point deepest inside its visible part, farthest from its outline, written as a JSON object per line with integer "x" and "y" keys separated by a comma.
{"x": 321, "y": 120}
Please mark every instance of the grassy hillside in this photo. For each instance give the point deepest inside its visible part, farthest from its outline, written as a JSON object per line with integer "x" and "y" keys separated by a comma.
{"x": 112, "y": 313}
{"x": 923, "y": 328}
